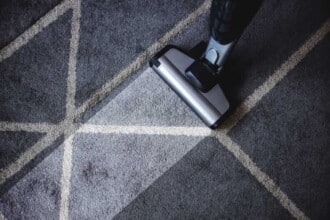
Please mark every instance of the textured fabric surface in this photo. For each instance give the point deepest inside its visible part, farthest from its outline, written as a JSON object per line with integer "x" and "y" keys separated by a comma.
{"x": 134, "y": 150}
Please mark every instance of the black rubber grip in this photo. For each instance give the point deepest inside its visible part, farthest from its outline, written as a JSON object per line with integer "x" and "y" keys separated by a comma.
{"x": 230, "y": 17}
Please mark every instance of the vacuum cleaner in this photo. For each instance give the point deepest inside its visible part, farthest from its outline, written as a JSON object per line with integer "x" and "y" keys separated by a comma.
{"x": 194, "y": 75}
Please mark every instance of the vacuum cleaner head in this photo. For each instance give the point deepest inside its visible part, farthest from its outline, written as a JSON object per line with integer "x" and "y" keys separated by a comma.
{"x": 194, "y": 81}
{"x": 194, "y": 78}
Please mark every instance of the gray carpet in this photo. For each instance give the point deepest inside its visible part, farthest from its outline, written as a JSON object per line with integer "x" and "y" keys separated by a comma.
{"x": 119, "y": 166}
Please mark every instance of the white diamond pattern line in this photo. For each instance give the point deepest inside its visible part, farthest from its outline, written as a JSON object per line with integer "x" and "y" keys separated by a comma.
{"x": 42, "y": 23}
{"x": 70, "y": 108}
